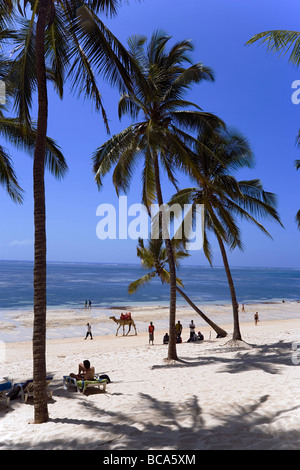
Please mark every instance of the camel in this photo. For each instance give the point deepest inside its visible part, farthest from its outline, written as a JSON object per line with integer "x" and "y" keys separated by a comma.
{"x": 123, "y": 322}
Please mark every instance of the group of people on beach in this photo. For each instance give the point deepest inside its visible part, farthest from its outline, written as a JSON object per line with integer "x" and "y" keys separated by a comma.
{"x": 193, "y": 336}
{"x": 88, "y": 304}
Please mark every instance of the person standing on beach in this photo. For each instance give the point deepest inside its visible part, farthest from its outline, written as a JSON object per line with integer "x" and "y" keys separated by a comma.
{"x": 256, "y": 319}
{"x": 192, "y": 330}
{"x": 151, "y": 332}
{"x": 89, "y": 331}
{"x": 178, "y": 328}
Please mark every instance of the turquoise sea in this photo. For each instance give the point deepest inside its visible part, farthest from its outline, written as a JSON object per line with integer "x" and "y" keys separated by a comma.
{"x": 70, "y": 284}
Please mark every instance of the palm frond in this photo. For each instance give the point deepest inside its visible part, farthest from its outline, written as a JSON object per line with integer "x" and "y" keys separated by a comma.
{"x": 56, "y": 50}
{"x": 23, "y": 71}
{"x": 165, "y": 277}
{"x": 280, "y": 41}
{"x": 8, "y": 177}
{"x": 298, "y": 219}
{"x": 135, "y": 285}
{"x": 108, "y": 154}
{"x": 105, "y": 52}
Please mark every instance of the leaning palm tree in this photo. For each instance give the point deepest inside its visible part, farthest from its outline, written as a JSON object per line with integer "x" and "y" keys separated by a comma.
{"x": 160, "y": 137}
{"x": 61, "y": 40}
{"x": 154, "y": 257}
{"x": 217, "y": 156}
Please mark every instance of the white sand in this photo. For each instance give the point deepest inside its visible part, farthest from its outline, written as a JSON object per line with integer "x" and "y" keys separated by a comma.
{"x": 216, "y": 397}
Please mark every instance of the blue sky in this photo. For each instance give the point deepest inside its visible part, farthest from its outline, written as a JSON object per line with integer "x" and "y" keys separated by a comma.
{"x": 252, "y": 93}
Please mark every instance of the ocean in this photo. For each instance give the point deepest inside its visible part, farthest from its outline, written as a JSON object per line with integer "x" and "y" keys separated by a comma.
{"x": 70, "y": 285}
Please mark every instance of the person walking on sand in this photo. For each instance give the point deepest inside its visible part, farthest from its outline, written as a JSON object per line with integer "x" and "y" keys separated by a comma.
{"x": 89, "y": 331}
{"x": 151, "y": 332}
{"x": 256, "y": 319}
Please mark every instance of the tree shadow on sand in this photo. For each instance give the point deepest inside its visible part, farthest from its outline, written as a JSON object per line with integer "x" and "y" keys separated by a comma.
{"x": 176, "y": 426}
{"x": 268, "y": 358}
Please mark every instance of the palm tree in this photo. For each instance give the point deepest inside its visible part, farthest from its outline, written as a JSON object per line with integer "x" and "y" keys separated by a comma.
{"x": 160, "y": 137}
{"x": 223, "y": 197}
{"x": 61, "y": 40}
{"x": 155, "y": 257}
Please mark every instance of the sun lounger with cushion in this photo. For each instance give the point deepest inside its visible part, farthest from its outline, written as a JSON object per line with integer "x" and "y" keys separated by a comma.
{"x": 82, "y": 385}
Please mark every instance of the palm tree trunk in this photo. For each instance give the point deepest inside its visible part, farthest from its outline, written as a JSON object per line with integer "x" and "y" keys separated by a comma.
{"x": 172, "y": 353}
{"x": 39, "y": 282}
{"x": 236, "y": 326}
{"x": 215, "y": 327}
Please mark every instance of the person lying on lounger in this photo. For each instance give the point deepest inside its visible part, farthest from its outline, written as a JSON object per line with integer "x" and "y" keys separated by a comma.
{"x": 85, "y": 371}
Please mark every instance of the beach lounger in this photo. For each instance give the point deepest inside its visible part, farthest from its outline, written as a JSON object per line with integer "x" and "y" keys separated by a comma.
{"x": 82, "y": 385}
{"x": 27, "y": 391}
{"x": 5, "y": 387}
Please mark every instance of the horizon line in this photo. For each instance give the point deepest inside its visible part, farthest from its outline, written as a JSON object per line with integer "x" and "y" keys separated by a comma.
{"x": 139, "y": 264}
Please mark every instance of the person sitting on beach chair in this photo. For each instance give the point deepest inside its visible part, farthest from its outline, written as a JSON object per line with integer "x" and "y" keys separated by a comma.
{"x": 166, "y": 339}
{"x": 85, "y": 371}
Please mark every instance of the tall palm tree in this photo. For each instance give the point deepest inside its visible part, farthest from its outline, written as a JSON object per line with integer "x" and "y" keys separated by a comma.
{"x": 154, "y": 257}
{"x": 217, "y": 156}
{"x": 62, "y": 40}
{"x": 160, "y": 137}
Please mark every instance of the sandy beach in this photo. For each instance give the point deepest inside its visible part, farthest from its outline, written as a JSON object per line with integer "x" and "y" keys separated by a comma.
{"x": 218, "y": 396}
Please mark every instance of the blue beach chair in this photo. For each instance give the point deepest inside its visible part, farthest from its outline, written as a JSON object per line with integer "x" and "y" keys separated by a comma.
{"x": 5, "y": 387}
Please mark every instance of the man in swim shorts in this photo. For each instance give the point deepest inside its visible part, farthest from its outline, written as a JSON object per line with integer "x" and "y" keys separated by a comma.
{"x": 85, "y": 371}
